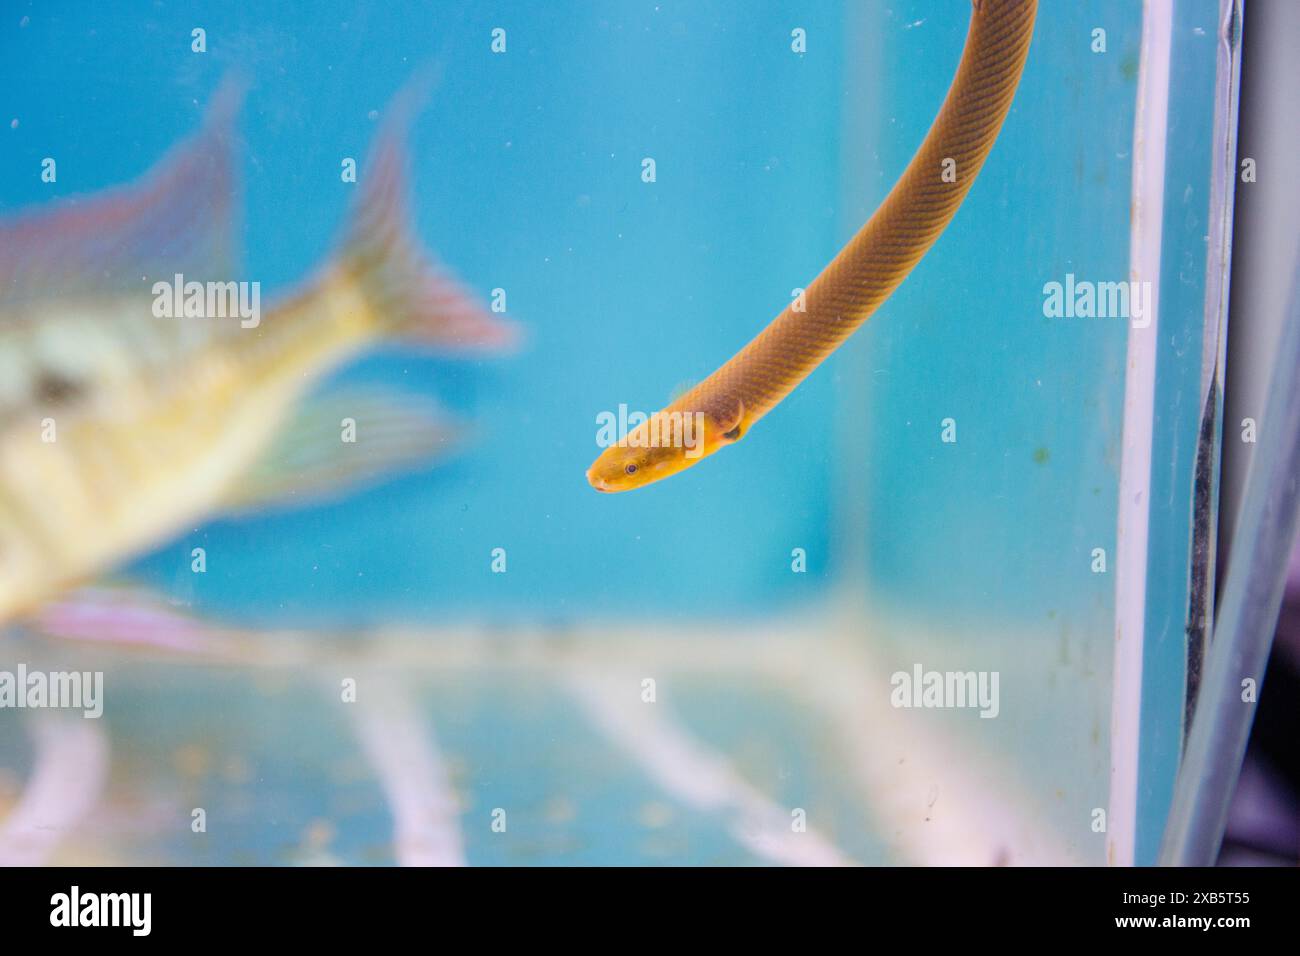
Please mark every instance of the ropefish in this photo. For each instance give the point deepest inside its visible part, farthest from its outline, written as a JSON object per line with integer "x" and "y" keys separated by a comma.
{"x": 864, "y": 273}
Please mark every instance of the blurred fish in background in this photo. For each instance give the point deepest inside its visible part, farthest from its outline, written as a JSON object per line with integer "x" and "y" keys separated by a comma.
{"x": 124, "y": 421}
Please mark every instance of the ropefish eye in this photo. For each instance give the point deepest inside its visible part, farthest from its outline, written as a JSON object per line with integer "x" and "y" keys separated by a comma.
{"x": 630, "y": 469}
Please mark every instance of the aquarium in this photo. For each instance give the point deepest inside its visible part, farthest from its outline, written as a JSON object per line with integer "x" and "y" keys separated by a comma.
{"x": 326, "y": 329}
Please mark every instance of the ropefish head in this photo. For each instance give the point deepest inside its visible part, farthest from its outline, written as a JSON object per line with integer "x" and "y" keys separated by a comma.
{"x": 666, "y": 443}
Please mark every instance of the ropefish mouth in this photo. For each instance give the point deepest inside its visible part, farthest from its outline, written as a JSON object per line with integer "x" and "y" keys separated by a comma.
{"x": 598, "y": 483}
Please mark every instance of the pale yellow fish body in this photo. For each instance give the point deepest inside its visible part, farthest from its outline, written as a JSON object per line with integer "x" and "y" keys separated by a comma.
{"x": 148, "y": 455}
{"x": 120, "y": 429}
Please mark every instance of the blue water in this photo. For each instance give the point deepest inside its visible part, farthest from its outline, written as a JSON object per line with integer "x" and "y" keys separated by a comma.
{"x": 526, "y": 176}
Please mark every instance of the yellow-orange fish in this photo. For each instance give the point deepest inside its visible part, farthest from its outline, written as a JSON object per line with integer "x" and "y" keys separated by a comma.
{"x": 856, "y": 281}
{"x": 121, "y": 425}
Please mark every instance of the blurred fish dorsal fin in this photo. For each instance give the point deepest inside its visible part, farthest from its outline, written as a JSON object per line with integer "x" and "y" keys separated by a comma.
{"x": 340, "y": 441}
{"x": 178, "y": 218}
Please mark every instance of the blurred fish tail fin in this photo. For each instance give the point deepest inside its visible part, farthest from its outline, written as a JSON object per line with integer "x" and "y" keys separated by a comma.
{"x": 178, "y": 218}
{"x": 412, "y": 296}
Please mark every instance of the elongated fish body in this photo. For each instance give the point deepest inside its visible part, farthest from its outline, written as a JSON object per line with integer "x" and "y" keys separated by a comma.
{"x": 120, "y": 427}
{"x": 862, "y": 275}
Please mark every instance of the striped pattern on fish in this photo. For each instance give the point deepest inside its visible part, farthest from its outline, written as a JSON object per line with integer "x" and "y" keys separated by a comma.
{"x": 864, "y": 273}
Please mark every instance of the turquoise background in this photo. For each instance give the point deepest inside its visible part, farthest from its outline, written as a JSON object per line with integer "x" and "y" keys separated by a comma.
{"x": 526, "y": 176}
